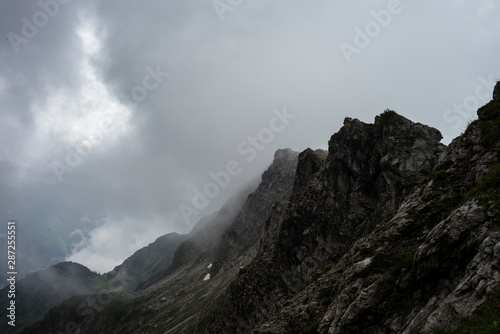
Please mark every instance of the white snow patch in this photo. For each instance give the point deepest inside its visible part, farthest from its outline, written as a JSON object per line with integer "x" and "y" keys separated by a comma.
{"x": 209, "y": 266}
{"x": 207, "y": 277}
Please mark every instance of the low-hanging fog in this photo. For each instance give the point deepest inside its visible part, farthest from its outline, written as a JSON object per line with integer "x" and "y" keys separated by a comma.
{"x": 133, "y": 119}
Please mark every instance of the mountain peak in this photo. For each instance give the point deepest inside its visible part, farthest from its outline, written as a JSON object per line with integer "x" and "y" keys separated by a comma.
{"x": 284, "y": 153}
{"x": 390, "y": 231}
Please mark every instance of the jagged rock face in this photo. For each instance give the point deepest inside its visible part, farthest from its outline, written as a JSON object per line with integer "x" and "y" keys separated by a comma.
{"x": 373, "y": 167}
{"x": 387, "y": 232}
{"x": 242, "y": 237}
{"x": 496, "y": 90}
{"x": 310, "y": 162}
{"x": 480, "y": 281}
{"x": 337, "y": 197}
{"x": 382, "y": 160}
{"x": 450, "y": 240}
{"x": 429, "y": 266}
{"x": 182, "y": 299}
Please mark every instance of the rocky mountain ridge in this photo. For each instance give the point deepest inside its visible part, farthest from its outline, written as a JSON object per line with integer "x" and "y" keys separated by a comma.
{"x": 389, "y": 231}
{"x": 42, "y": 290}
{"x": 338, "y": 198}
{"x": 183, "y": 286}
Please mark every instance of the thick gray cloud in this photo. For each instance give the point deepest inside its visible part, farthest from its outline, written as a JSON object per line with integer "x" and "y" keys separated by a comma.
{"x": 153, "y": 96}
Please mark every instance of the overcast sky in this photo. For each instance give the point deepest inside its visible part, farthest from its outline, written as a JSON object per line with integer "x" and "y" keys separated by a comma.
{"x": 122, "y": 109}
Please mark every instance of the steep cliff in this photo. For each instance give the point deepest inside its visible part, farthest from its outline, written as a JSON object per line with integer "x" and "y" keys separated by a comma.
{"x": 186, "y": 295}
{"x": 428, "y": 264}
{"x": 389, "y": 231}
{"x": 337, "y": 198}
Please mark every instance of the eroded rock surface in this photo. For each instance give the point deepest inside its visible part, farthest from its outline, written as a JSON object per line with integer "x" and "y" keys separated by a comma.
{"x": 387, "y": 232}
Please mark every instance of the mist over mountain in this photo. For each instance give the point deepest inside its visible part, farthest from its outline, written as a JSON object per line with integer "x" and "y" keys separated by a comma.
{"x": 114, "y": 115}
{"x": 389, "y": 231}
{"x": 218, "y": 166}
{"x": 39, "y": 292}
{"x": 48, "y": 231}
{"x": 42, "y": 290}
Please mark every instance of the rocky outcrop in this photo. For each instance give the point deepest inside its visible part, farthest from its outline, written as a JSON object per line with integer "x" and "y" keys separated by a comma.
{"x": 201, "y": 270}
{"x": 338, "y": 198}
{"x": 430, "y": 265}
{"x": 387, "y": 232}
{"x": 239, "y": 242}
{"x": 383, "y": 160}
{"x": 480, "y": 281}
